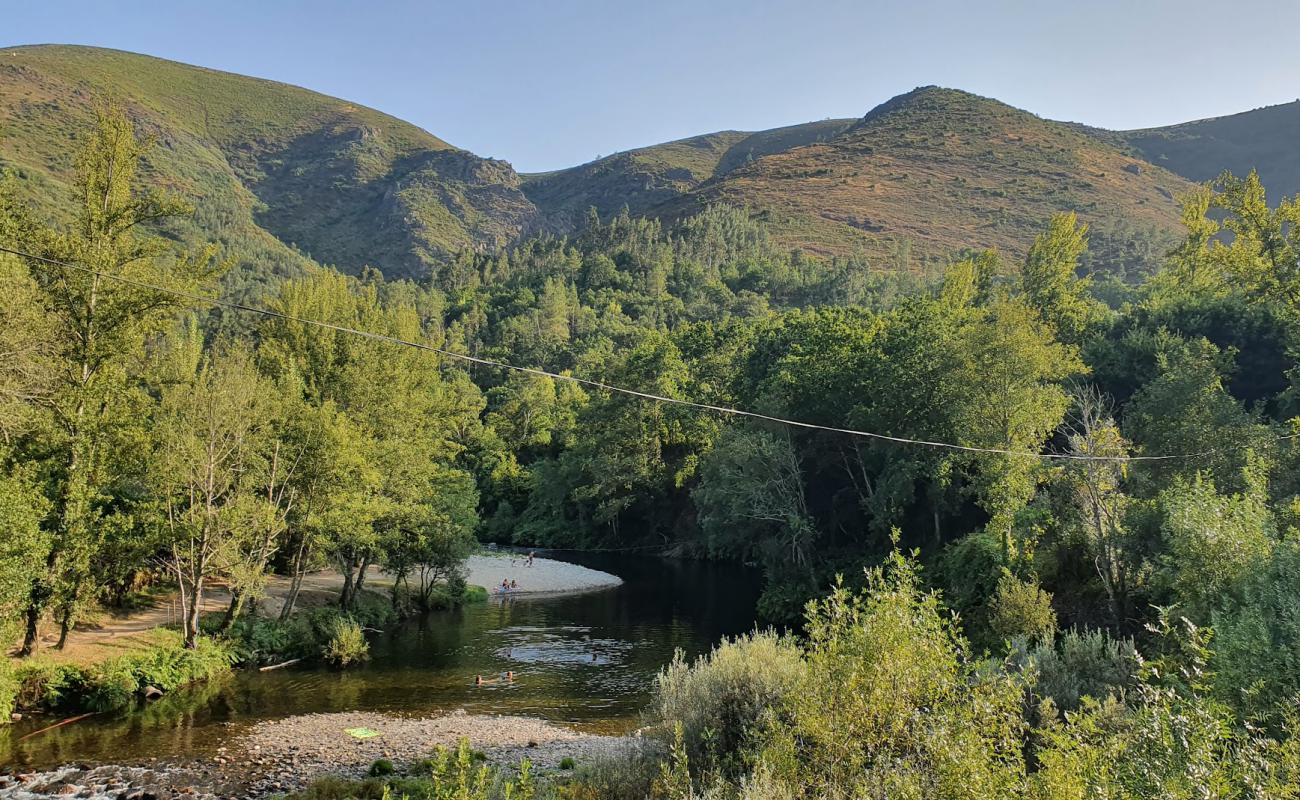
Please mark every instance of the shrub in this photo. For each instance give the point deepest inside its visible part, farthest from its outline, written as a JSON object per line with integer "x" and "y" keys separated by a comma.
{"x": 720, "y": 700}
{"x": 891, "y": 705}
{"x": 567, "y": 763}
{"x": 447, "y": 775}
{"x": 1082, "y": 664}
{"x": 381, "y": 767}
{"x": 9, "y": 686}
{"x": 346, "y": 644}
{"x": 1020, "y": 608}
{"x": 623, "y": 774}
{"x": 116, "y": 682}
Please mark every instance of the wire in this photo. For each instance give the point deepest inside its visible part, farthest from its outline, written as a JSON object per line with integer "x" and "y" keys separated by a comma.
{"x": 599, "y": 384}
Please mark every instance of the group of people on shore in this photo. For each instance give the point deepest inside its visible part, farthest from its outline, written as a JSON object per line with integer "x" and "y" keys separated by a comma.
{"x": 509, "y": 585}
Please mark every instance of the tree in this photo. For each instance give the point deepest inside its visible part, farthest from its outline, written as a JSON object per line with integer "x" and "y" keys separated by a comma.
{"x": 1097, "y": 488}
{"x": 1213, "y": 541}
{"x": 1010, "y": 399}
{"x": 1050, "y": 283}
{"x": 103, "y": 325}
{"x": 212, "y": 433}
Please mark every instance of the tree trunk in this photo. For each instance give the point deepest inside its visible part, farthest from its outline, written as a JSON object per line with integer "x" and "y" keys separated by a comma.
{"x": 65, "y": 627}
{"x": 233, "y": 610}
{"x": 345, "y": 596}
{"x": 34, "y": 608}
{"x": 361, "y": 577}
{"x": 295, "y": 584}
{"x": 192, "y": 616}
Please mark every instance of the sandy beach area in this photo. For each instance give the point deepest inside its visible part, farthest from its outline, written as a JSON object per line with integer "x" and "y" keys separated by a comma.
{"x": 545, "y": 576}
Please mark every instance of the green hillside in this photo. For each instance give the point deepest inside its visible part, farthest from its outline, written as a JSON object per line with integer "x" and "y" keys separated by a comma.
{"x": 280, "y": 174}
{"x": 650, "y": 176}
{"x": 1266, "y": 139}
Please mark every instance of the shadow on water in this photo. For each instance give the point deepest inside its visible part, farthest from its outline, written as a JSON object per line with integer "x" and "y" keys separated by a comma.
{"x": 588, "y": 660}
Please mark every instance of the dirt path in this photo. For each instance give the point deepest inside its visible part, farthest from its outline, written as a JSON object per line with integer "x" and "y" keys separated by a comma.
{"x": 128, "y": 631}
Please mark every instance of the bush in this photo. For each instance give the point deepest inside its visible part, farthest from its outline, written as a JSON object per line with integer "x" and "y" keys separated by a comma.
{"x": 721, "y": 699}
{"x": 1082, "y": 664}
{"x": 116, "y": 683}
{"x": 1020, "y": 608}
{"x": 346, "y": 644}
{"x": 381, "y": 768}
{"x": 567, "y": 763}
{"x": 624, "y": 774}
{"x": 448, "y": 775}
{"x": 9, "y": 686}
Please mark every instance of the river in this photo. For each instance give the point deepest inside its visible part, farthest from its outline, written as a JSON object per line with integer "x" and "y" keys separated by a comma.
{"x": 587, "y": 660}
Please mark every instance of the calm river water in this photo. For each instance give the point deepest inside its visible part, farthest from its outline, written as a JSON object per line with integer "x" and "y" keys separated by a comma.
{"x": 588, "y": 660}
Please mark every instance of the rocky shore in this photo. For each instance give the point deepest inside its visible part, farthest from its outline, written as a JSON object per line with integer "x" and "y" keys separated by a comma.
{"x": 277, "y": 756}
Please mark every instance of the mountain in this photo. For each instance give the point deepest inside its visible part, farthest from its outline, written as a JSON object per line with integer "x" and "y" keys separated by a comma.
{"x": 279, "y": 174}
{"x": 936, "y": 170}
{"x": 645, "y": 178}
{"x": 1266, "y": 139}
{"x": 284, "y": 177}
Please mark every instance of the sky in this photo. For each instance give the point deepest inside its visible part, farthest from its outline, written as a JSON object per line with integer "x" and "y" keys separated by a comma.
{"x": 546, "y": 84}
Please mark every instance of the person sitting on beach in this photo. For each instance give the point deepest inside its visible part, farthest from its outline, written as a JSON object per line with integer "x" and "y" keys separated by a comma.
{"x": 505, "y": 586}
{"x": 514, "y": 584}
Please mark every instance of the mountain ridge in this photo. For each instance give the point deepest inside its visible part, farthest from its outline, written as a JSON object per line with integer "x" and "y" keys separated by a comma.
{"x": 284, "y": 177}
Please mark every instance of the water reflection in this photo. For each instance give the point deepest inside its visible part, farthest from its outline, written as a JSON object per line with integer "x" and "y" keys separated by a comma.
{"x": 588, "y": 660}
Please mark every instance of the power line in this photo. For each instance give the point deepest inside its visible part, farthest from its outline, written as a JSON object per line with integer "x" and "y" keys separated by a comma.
{"x": 593, "y": 383}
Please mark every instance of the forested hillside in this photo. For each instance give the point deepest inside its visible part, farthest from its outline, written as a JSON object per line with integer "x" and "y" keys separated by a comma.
{"x": 642, "y": 179}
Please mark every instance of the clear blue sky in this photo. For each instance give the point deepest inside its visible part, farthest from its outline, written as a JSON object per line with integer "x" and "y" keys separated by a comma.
{"x": 551, "y": 83}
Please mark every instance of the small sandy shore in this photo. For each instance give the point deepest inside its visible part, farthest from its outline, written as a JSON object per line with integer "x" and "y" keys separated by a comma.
{"x": 545, "y": 576}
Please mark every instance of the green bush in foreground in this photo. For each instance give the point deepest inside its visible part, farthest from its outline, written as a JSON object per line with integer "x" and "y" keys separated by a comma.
{"x": 720, "y": 703}
{"x": 890, "y": 703}
{"x": 446, "y": 775}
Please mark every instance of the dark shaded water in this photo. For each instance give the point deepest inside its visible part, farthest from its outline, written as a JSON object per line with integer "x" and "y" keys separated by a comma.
{"x": 588, "y": 660}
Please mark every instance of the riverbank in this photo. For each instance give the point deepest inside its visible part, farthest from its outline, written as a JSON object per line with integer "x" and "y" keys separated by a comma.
{"x": 111, "y": 635}
{"x": 285, "y": 755}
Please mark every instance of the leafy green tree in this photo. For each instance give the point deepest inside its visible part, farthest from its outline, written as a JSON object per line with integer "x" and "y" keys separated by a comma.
{"x": 212, "y": 433}
{"x": 1011, "y": 399}
{"x": 102, "y": 325}
{"x": 1050, "y": 283}
{"x": 1213, "y": 541}
{"x": 1186, "y": 412}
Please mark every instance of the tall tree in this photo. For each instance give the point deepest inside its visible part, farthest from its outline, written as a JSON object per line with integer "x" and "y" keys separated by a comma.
{"x": 103, "y": 325}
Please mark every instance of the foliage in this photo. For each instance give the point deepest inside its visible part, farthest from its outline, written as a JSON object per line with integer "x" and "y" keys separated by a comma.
{"x": 446, "y": 775}
{"x": 1020, "y": 608}
{"x": 719, "y": 704}
{"x": 346, "y": 644}
{"x": 116, "y": 683}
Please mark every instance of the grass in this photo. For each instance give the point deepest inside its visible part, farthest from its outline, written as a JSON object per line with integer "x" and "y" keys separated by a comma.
{"x": 112, "y": 683}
